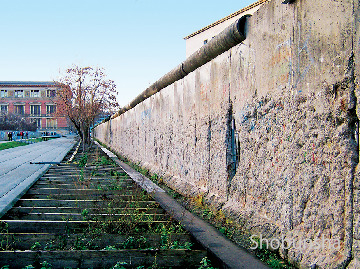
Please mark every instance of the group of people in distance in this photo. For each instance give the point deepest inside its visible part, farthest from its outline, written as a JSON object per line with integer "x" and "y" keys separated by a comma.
{"x": 20, "y": 135}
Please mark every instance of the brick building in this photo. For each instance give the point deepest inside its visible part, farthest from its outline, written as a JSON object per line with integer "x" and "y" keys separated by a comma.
{"x": 35, "y": 100}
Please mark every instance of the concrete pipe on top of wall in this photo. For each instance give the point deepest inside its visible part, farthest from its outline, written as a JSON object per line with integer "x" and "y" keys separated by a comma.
{"x": 229, "y": 37}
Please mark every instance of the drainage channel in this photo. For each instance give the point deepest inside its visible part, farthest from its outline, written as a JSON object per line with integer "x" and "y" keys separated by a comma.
{"x": 88, "y": 213}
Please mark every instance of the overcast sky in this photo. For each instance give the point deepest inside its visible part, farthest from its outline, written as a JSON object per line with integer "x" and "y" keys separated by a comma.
{"x": 136, "y": 41}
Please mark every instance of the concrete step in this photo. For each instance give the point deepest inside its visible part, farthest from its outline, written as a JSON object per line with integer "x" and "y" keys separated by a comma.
{"x": 104, "y": 258}
{"x": 50, "y": 241}
{"x": 73, "y": 226}
{"x": 83, "y": 203}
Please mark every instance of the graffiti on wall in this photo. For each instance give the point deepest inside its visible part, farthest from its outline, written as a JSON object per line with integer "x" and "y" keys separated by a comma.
{"x": 305, "y": 60}
{"x": 145, "y": 115}
{"x": 281, "y": 63}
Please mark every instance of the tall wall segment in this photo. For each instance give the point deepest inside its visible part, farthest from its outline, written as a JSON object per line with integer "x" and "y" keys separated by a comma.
{"x": 267, "y": 131}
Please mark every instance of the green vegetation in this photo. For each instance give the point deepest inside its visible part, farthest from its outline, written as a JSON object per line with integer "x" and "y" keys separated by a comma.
{"x": 206, "y": 264}
{"x": 14, "y": 144}
{"x": 36, "y": 246}
{"x": 5, "y": 238}
{"x": 83, "y": 160}
{"x": 230, "y": 228}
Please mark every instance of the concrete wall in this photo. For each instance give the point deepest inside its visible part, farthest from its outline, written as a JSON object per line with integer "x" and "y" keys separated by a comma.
{"x": 267, "y": 131}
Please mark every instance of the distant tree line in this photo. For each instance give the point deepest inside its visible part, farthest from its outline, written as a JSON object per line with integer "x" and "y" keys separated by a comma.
{"x": 12, "y": 121}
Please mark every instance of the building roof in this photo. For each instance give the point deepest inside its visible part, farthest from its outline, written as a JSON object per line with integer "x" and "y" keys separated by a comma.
{"x": 27, "y": 83}
{"x": 257, "y": 3}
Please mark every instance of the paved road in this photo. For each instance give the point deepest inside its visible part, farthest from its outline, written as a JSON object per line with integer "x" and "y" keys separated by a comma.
{"x": 17, "y": 174}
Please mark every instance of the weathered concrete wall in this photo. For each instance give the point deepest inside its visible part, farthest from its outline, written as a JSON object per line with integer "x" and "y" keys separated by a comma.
{"x": 267, "y": 131}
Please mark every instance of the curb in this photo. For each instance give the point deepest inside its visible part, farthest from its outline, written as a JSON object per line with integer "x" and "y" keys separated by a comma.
{"x": 231, "y": 255}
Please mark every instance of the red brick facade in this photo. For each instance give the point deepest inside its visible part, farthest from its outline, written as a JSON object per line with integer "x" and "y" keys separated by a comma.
{"x": 34, "y": 100}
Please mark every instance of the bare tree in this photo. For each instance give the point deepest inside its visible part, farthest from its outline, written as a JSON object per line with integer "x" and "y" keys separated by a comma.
{"x": 84, "y": 93}
{"x": 10, "y": 121}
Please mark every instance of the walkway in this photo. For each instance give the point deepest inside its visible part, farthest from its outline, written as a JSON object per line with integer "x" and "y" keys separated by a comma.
{"x": 20, "y": 168}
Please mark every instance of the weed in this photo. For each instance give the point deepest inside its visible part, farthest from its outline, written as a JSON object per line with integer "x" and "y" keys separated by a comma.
{"x": 135, "y": 243}
{"x": 269, "y": 257}
{"x": 49, "y": 246}
{"x": 83, "y": 160}
{"x": 81, "y": 176}
{"x": 208, "y": 214}
{"x": 205, "y": 264}
{"x": 105, "y": 161}
{"x": 155, "y": 262}
{"x": 110, "y": 248}
{"x": 154, "y": 177}
{"x": 198, "y": 201}
{"x": 115, "y": 174}
{"x": 46, "y": 265}
{"x": 6, "y": 239}
{"x": 119, "y": 265}
{"x": 85, "y": 213}
{"x": 177, "y": 245}
{"x": 221, "y": 218}
{"x": 82, "y": 242}
{"x": 115, "y": 186}
{"x": 36, "y": 246}
{"x": 174, "y": 194}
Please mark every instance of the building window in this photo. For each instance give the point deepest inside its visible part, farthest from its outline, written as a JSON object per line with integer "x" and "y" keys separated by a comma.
{"x": 35, "y": 109}
{"x": 3, "y": 93}
{"x": 19, "y": 93}
{"x": 4, "y": 109}
{"x": 50, "y": 109}
{"x": 38, "y": 122}
{"x": 34, "y": 93}
{"x": 51, "y": 123}
{"x": 50, "y": 93}
{"x": 19, "y": 109}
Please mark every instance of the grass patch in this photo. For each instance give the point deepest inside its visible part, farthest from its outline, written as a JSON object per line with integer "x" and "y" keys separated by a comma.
{"x": 14, "y": 144}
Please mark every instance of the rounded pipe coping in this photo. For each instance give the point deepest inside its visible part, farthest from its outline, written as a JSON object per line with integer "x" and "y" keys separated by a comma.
{"x": 229, "y": 37}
